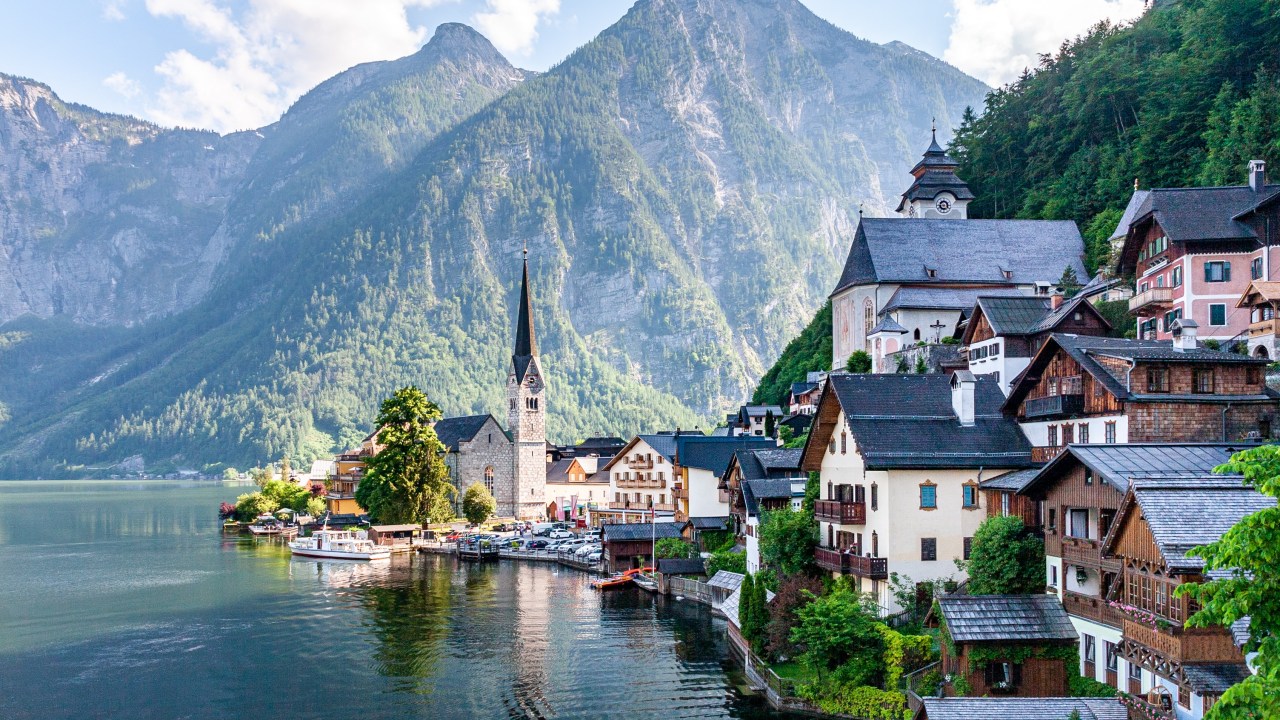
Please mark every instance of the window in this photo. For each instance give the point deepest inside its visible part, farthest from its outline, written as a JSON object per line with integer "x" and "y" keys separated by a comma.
{"x": 1217, "y": 314}
{"x": 1160, "y": 281}
{"x": 970, "y": 495}
{"x": 868, "y": 318}
{"x": 1177, "y": 276}
{"x": 1135, "y": 672}
{"x": 1052, "y": 523}
{"x": 844, "y": 442}
{"x": 1158, "y": 379}
{"x": 1082, "y": 433}
{"x": 1255, "y": 268}
{"x": 1068, "y": 431}
{"x": 1053, "y": 435}
{"x": 928, "y": 496}
{"x": 968, "y": 547}
{"x": 1217, "y": 272}
{"x": 875, "y": 496}
{"x": 928, "y": 548}
{"x": 1170, "y": 317}
{"x": 1184, "y": 692}
{"x": 1078, "y": 524}
{"x": 1053, "y": 576}
{"x": 1002, "y": 675}
{"x": 1090, "y": 649}
{"x": 1202, "y": 381}
{"x": 1006, "y": 499}
{"x": 1105, "y": 518}
{"x": 1111, "y": 656}
{"x": 488, "y": 478}
{"x": 1110, "y": 433}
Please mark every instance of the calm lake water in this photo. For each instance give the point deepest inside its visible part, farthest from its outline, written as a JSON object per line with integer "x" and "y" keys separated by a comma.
{"x": 124, "y": 600}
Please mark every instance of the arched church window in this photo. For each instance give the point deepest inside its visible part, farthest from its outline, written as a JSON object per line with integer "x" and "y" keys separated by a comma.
{"x": 488, "y": 479}
{"x": 868, "y": 317}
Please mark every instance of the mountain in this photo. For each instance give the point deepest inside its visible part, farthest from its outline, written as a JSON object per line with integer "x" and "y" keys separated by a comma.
{"x": 686, "y": 184}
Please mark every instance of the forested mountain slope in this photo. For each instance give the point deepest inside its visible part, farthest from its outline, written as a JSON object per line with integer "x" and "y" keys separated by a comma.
{"x": 685, "y": 184}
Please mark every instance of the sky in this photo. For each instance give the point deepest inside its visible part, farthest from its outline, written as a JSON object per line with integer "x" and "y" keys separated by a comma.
{"x": 230, "y": 65}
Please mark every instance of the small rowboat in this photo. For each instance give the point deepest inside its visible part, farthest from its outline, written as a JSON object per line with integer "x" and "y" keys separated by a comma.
{"x": 636, "y": 571}
{"x": 612, "y": 583}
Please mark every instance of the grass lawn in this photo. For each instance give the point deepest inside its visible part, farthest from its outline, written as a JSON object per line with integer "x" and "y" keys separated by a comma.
{"x": 792, "y": 670}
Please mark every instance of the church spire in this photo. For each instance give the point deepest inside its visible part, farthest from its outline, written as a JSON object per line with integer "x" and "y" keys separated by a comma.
{"x": 526, "y": 341}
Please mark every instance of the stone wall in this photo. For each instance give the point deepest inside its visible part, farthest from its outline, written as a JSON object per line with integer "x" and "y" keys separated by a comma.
{"x": 935, "y": 356}
{"x": 489, "y": 448}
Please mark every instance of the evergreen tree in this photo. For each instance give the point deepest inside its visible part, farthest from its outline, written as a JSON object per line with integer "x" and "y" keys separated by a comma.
{"x": 921, "y": 367}
{"x": 769, "y": 426}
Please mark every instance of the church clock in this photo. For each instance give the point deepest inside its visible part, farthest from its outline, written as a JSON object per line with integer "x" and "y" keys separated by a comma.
{"x": 943, "y": 206}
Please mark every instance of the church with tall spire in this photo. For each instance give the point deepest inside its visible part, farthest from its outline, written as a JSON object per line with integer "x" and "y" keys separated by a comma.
{"x": 526, "y": 416}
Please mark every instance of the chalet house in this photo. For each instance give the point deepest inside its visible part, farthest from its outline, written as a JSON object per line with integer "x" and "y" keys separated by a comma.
{"x": 1262, "y": 299}
{"x": 757, "y": 481}
{"x": 803, "y": 397}
{"x": 348, "y": 469}
{"x": 700, "y": 463}
{"x": 575, "y": 486}
{"x": 934, "y": 248}
{"x": 1193, "y": 252}
{"x": 900, "y": 459}
{"x": 1108, "y": 390}
{"x": 631, "y": 544}
{"x": 752, "y": 420}
{"x": 1160, "y": 521}
{"x": 641, "y": 481}
{"x": 1003, "y": 332}
{"x": 1006, "y": 644}
{"x": 798, "y": 422}
{"x": 1005, "y": 708}
{"x": 1080, "y": 495}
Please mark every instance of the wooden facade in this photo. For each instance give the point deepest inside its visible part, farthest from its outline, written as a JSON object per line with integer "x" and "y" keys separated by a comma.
{"x": 1008, "y": 502}
{"x": 1032, "y": 677}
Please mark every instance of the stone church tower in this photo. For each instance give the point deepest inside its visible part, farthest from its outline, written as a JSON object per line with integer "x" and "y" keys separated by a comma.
{"x": 937, "y": 192}
{"x": 526, "y": 416}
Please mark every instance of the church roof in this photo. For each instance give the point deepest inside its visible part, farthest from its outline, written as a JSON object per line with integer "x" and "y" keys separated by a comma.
{"x": 919, "y": 252}
{"x": 526, "y": 340}
{"x": 454, "y": 430}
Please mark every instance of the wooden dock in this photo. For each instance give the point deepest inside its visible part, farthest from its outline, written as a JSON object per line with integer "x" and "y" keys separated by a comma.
{"x": 480, "y": 552}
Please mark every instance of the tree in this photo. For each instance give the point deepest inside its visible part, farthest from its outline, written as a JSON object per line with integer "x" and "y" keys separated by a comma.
{"x": 1249, "y": 553}
{"x": 812, "y": 491}
{"x": 286, "y": 494}
{"x": 901, "y": 367}
{"x": 859, "y": 362}
{"x": 1005, "y": 559}
{"x": 230, "y": 474}
{"x": 251, "y": 505}
{"x": 667, "y": 548}
{"x": 921, "y": 367}
{"x": 285, "y": 469}
{"x": 787, "y": 540}
{"x": 260, "y": 476}
{"x": 751, "y": 631}
{"x": 794, "y": 592}
{"x": 478, "y": 504}
{"x": 407, "y": 480}
{"x": 729, "y": 560}
{"x": 1069, "y": 282}
{"x": 759, "y": 614}
{"x": 315, "y": 507}
{"x": 769, "y": 424}
{"x": 838, "y": 629}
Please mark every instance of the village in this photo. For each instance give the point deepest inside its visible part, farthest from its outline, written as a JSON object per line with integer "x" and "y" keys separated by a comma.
{"x": 978, "y": 402}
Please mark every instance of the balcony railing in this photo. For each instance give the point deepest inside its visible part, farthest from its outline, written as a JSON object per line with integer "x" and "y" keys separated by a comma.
{"x": 1043, "y": 454}
{"x": 1092, "y": 608}
{"x": 1157, "y": 296}
{"x": 639, "y": 463}
{"x": 678, "y": 492}
{"x": 641, "y": 505}
{"x": 844, "y": 513}
{"x": 1087, "y": 553}
{"x": 1054, "y": 406}
{"x": 1180, "y": 645}
{"x": 1264, "y": 328}
{"x": 849, "y": 564}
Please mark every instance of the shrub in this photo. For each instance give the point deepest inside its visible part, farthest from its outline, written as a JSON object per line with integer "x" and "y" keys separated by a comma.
{"x": 727, "y": 560}
{"x": 1006, "y": 558}
{"x": 673, "y": 548}
{"x": 858, "y": 362}
{"x": 794, "y": 592}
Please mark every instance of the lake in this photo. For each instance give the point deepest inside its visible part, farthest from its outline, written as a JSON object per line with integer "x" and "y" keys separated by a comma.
{"x": 123, "y": 599}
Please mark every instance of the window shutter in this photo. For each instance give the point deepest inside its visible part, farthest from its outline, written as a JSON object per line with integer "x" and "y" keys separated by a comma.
{"x": 1208, "y": 274}
{"x": 1226, "y": 272}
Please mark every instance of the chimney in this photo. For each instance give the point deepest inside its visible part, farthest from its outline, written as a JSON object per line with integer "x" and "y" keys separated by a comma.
{"x": 1184, "y": 334}
{"x": 1257, "y": 175}
{"x": 1055, "y": 302}
{"x": 962, "y": 386}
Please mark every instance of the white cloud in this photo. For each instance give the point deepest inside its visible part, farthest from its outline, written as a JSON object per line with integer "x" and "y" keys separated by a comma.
{"x": 122, "y": 84}
{"x": 512, "y": 25}
{"x": 994, "y": 40}
{"x": 113, "y": 9}
{"x": 265, "y": 57}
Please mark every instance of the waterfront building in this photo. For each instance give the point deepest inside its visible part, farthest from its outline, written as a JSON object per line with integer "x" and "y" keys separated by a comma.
{"x": 576, "y": 487}
{"x": 1109, "y": 390}
{"x": 700, "y": 462}
{"x": 629, "y": 545}
{"x": 1079, "y": 496}
{"x": 934, "y": 254}
{"x": 477, "y": 450}
{"x": 526, "y": 417}
{"x": 640, "y": 481}
{"x": 1002, "y": 333}
{"x": 900, "y": 459}
{"x": 758, "y": 481}
{"x": 1193, "y": 252}
{"x": 1005, "y": 644}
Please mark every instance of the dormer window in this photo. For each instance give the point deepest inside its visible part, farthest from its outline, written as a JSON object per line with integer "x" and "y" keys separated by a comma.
{"x": 931, "y": 272}
{"x": 1008, "y": 274}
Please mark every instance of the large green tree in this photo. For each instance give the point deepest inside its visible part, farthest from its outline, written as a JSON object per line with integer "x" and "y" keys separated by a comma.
{"x": 839, "y": 629}
{"x": 1005, "y": 559}
{"x": 478, "y": 504}
{"x": 1250, "y": 555}
{"x": 787, "y": 539}
{"x": 406, "y": 481}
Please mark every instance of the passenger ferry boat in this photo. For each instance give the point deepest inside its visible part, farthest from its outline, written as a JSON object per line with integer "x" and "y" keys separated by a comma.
{"x": 339, "y": 545}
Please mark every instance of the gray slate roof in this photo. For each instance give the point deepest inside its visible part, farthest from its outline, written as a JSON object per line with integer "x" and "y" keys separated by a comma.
{"x": 1017, "y": 708}
{"x": 1186, "y": 512}
{"x": 899, "y": 250}
{"x": 714, "y": 453}
{"x": 770, "y": 463}
{"x": 888, "y": 324}
{"x": 726, "y": 580}
{"x": 1013, "y": 314}
{"x": 763, "y": 489}
{"x": 942, "y": 298}
{"x": 1119, "y": 464}
{"x": 1214, "y": 679}
{"x": 992, "y": 618}
{"x": 454, "y": 430}
{"x": 907, "y": 421}
{"x": 682, "y": 566}
{"x": 1012, "y": 481}
{"x": 1204, "y": 213}
{"x": 629, "y": 532}
{"x": 800, "y": 388}
{"x": 709, "y": 523}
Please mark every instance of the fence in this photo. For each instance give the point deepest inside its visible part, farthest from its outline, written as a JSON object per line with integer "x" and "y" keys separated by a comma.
{"x": 912, "y": 686}
{"x": 691, "y": 590}
{"x": 551, "y": 556}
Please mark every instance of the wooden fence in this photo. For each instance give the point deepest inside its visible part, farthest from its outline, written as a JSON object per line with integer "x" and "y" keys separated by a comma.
{"x": 690, "y": 589}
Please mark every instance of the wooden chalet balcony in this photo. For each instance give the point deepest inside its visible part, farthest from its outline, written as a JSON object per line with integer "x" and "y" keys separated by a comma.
{"x": 641, "y": 482}
{"x": 641, "y": 505}
{"x": 664, "y": 507}
{"x": 1091, "y": 608}
{"x": 1148, "y": 300}
{"x": 678, "y": 492}
{"x": 1264, "y": 329}
{"x": 844, "y": 513}
{"x": 1043, "y": 454}
{"x": 1178, "y": 645}
{"x": 850, "y": 564}
{"x": 1054, "y": 406}
{"x": 639, "y": 463}
{"x": 1087, "y": 553}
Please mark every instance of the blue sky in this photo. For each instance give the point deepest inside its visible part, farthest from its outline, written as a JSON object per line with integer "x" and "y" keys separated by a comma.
{"x": 235, "y": 64}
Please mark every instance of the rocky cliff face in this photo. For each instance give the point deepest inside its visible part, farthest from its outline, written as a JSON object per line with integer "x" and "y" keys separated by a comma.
{"x": 687, "y": 184}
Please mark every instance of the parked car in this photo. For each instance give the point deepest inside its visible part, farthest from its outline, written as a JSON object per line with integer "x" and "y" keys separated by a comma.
{"x": 536, "y": 544}
{"x": 560, "y": 534}
{"x": 586, "y": 550}
{"x": 595, "y": 556}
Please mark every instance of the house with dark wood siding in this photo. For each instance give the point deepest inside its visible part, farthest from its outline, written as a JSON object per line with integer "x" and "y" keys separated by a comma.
{"x": 1005, "y": 644}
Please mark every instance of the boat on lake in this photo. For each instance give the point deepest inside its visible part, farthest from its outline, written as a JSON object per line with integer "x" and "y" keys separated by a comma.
{"x": 339, "y": 545}
{"x": 266, "y": 525}
{"x": 612, "y": 583}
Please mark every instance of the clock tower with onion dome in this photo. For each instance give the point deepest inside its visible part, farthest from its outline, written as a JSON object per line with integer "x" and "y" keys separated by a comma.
{"x": 936, "y": 193}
